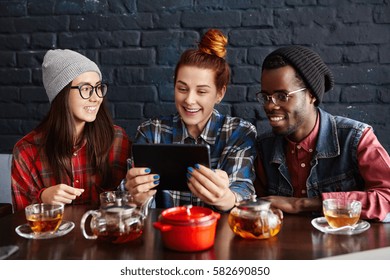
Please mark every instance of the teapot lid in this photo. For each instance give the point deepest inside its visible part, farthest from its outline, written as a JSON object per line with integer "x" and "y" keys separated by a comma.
{"x": 187, "y": 215}
{"x": 124, "y": 210}
{"x": 254, "y": 204}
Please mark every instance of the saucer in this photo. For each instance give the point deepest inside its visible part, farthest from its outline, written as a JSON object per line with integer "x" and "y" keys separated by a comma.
{"x": 26, "y": 232}
{"x": 322, "y": 225}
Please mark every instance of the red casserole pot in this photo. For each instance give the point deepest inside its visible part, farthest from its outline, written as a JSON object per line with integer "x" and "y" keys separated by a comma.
{"x": 188, "y": 228}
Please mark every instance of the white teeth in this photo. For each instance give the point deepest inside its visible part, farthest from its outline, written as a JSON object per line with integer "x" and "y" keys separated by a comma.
{"x": 192, "y": 110}
{"x": 90, "y": 109}
{"x": 276, "y": 119}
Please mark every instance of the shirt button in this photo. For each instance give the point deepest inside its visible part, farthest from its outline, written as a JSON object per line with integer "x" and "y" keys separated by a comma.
{"x": 298, "y": 147}
{"x": 77, "y": 181}
{"x": 74, "y": 154}
{"x": 303, "y": 165}
{"x": 303, "y": 191}
{"x": 310, "y": 150}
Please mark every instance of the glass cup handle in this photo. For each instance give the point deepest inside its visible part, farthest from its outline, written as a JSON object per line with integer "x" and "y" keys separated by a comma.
{"x": 82, "y": 224}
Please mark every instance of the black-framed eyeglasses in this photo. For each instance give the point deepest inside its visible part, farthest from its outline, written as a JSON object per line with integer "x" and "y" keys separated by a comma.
{"x": 279, "y": 98}
{"x": 86, "y": 90}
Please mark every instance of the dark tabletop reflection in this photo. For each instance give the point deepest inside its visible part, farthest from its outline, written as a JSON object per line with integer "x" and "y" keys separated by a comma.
{"x": 298, "y": 239}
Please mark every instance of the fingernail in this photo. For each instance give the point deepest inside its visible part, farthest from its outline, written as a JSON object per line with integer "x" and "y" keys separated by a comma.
{"x": 156, "y": 177}
{"x": 189, "y": 176}
{"x": 147, "y": 170}
{"x": 156, "y": 182}
{"x": 197, "y": 166}
{"x": 190, "y": 169}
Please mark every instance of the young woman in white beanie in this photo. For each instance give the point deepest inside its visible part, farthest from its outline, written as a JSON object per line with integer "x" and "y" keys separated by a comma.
{"x": 76, "y": 152}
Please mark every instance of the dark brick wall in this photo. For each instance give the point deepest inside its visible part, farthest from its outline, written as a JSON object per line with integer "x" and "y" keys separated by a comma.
{"x": 137, "y": 43}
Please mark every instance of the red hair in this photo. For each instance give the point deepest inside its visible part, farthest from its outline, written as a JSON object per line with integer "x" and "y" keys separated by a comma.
{"x": 210, "y": 54}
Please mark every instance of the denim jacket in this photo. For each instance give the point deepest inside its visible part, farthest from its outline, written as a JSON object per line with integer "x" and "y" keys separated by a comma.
{"x": 334, "y": 166}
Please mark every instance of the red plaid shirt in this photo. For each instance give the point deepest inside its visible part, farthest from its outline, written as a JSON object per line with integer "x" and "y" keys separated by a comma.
{"x": 31, "y": 174}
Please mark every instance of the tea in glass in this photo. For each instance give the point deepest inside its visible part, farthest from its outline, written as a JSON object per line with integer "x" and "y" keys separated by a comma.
{"x": 341, "y": 212}
{"x": 113, "y": 234}
{"x": 44, "y": 218}
{"x": 113, "y": 224}
{"x": 254, "y": 227}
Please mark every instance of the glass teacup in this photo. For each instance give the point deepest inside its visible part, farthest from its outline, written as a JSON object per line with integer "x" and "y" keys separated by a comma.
{"x": 341, "y": 212}
{"x": 44, "y": 218}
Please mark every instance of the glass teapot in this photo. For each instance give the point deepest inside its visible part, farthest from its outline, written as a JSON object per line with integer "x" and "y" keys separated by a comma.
{"x": 255, "y": 219}
{"x": 118, "y": 220}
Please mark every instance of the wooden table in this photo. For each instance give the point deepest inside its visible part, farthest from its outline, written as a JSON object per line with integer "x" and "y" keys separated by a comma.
{"x": 297, "y": 240}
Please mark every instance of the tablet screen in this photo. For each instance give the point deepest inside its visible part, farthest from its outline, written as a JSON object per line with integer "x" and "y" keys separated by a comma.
{"x": 170, "y": 161}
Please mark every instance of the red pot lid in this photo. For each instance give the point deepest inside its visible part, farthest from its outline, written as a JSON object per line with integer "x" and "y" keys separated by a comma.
{"x": 187, "y": 215}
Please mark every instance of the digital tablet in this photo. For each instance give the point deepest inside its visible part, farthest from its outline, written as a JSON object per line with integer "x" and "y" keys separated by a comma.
{"x": 170, "y": 161}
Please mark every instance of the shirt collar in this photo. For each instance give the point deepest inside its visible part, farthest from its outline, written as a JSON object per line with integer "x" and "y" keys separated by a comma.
{"x": 79, "y": 147}
{"x": 310, "y": 141}
{"x": 208, "y": 134}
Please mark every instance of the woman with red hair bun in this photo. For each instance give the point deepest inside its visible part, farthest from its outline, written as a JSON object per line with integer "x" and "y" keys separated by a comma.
{"x": 201, "y": 79}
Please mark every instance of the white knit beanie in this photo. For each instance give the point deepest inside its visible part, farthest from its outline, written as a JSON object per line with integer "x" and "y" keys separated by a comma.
{"x": 60, "y": 67}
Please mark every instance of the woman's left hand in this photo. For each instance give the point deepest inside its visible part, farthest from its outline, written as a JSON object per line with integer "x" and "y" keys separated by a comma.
{"x": 211, "y": 186}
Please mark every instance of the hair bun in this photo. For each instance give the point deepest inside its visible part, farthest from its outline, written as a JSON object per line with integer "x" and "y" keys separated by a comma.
{"x": 213, "y": 42}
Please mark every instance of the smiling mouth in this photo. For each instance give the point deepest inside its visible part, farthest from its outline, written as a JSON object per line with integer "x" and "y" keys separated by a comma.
{"x": 276, "y": 119}
{"x": 191, "y": 110}
{"x": 90, "y": 109}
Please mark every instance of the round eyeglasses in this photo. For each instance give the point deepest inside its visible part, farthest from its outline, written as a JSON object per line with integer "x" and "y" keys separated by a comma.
{"x": 86, "y": 90}
{"x": 279, "y": 98}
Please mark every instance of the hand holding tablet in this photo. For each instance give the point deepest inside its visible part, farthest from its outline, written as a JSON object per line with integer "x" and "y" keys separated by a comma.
{"x": 170, "y": 161}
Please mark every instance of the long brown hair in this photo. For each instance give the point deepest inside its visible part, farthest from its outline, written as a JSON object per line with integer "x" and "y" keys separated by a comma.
{"x": 59, "y": 136}
{"x": 210, "y": 54}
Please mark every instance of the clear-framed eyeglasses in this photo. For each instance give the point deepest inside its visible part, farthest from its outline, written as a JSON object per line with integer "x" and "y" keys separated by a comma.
{"x": 279, "y": 98}
{"x": 86, "y": 90}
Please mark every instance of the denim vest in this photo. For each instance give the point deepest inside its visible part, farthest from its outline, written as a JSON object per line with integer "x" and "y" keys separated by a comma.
{"x": 334, "y": 166}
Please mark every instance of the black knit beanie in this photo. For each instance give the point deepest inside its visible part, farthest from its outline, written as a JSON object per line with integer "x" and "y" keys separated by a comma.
{"x": 316, "y": 75}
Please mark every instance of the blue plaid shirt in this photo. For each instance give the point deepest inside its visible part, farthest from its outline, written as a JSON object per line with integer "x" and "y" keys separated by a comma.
{"x": 232, "y": 149}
